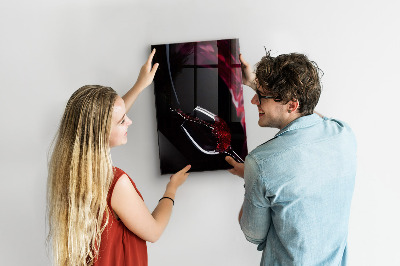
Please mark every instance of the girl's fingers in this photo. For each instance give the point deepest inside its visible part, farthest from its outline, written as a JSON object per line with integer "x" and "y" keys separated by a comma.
{"x": 154, "y": 69}
{"x": 187, "y": 167}
{"x": 151, "y": 56}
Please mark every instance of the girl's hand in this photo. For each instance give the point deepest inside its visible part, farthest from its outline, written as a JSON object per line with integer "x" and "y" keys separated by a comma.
{"x": 179, "y": 178}
{"x": 146, "y": 74}
{"x": 145, "y": 78}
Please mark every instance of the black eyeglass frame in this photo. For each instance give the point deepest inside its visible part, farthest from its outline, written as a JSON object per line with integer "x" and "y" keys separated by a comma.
{"x": 276, "y": 99}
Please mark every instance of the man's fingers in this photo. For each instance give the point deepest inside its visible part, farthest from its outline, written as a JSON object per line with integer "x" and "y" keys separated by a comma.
{"x": 231, "y": 161}
{"x": 244, "y": 63}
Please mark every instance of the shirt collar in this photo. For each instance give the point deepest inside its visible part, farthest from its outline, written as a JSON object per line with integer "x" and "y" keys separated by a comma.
{"x": 301, "y": 122}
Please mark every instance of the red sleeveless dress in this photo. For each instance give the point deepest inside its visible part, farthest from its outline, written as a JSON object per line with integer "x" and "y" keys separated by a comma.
{"x": 119, "y": 246}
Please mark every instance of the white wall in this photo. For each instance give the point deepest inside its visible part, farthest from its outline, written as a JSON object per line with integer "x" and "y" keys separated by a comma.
{"x": 49, "y": 49}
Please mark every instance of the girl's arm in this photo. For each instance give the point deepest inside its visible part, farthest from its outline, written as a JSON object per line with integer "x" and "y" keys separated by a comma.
{"x": 131, "y": 209}
{"x": 145, "y": 78}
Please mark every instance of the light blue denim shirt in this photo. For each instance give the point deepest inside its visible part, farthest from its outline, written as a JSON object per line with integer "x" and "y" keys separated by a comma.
{"x": 298, "y": 191}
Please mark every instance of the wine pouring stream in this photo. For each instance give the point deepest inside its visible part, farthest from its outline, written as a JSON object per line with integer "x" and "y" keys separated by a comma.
{"x": 208, "y": 133}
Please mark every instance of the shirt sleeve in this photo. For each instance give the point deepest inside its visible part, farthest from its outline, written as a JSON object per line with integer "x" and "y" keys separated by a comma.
{"x": 256, "y": 217}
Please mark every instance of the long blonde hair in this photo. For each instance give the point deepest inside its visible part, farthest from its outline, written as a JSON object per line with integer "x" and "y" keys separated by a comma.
{"x": 80, "y": 174}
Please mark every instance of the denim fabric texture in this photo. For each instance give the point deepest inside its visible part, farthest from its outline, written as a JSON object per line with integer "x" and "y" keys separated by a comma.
{"x": 298, "y": 191}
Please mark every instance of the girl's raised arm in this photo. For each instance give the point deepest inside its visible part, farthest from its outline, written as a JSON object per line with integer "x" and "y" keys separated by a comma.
{"x": 145, "y": 78}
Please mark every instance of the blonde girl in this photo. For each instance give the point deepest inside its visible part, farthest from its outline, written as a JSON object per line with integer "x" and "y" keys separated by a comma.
{"x": 96, "y": 214}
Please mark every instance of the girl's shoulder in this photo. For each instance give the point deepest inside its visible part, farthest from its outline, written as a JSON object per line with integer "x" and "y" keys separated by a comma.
{"x": 118, "y": 172}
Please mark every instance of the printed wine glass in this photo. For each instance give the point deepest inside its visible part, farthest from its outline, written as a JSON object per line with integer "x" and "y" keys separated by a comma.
{"x": 208, "y": 132}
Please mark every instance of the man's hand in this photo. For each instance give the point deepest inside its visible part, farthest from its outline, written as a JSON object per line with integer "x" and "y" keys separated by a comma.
{"x": 238, "y": 168}
{"x": 248, "y": 75}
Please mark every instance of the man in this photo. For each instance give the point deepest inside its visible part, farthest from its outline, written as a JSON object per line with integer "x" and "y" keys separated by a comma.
{"x": 299, "y": 184}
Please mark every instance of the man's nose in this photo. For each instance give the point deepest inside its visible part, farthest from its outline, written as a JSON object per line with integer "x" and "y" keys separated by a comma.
{"x": 254, "y": 100}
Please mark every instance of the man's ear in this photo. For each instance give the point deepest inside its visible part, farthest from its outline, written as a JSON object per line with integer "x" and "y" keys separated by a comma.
{"x": 293, "y": 105}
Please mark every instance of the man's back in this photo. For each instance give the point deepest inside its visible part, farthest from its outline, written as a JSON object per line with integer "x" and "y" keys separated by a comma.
{"x": 299, "y": 187}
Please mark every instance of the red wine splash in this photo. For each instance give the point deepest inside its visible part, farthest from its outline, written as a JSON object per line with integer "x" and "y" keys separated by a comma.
{"x": 221, "y": 131}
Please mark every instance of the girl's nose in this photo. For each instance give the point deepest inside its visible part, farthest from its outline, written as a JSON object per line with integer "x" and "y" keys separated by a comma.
{"x": 129, "y": 122}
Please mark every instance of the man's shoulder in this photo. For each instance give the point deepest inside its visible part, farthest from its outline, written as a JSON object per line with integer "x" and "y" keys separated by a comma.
{"x": 294, "y": 140}
{"x": 336, "y": 128}
{"x": 268, "y": 150}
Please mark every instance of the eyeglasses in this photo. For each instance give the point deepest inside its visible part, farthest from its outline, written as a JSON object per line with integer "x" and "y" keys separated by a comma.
{"x": 276, "y": 99}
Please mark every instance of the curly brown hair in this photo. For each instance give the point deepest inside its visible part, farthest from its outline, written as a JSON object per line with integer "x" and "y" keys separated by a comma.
{"x": 290, "y": 77}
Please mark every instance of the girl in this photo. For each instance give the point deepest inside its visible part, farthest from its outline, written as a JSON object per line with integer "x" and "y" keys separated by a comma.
{"x": 96, "y": 214}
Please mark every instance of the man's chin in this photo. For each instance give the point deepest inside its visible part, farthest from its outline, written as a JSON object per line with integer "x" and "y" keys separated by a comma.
{"x": 261, "y": 124}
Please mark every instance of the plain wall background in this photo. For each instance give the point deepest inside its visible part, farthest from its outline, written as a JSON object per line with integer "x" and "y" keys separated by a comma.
{"x": 48, "y": 49}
